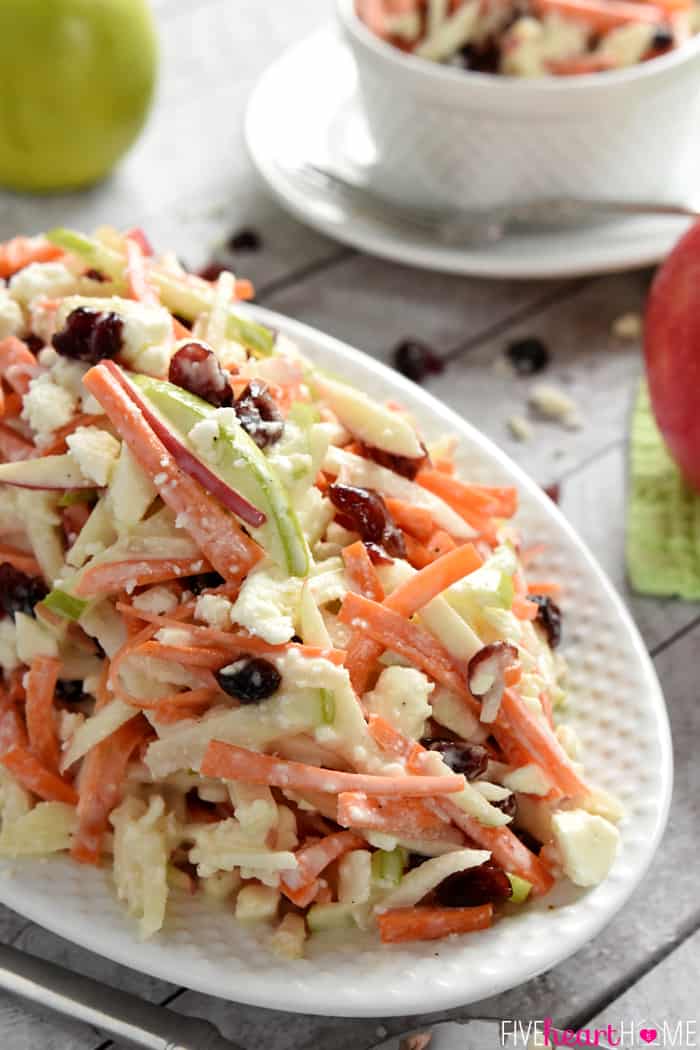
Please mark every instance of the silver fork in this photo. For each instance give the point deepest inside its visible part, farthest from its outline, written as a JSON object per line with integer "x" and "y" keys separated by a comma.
{"x": 471, "y": 228}
{"x": 143, "y": 1025}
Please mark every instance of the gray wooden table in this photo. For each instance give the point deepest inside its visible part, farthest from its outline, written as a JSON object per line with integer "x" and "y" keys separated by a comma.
{"x": 190, "y": 184}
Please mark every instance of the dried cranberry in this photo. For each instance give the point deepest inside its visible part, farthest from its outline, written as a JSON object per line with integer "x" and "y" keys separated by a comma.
{"x": 406, "y": 466}
{"x": 416, "y": 360}
{"x": 89, "y": 335}
{"x": 19, "y": 593}
{"x": 245, "y": 240}
{"x": 548, "y": 617}
{"x": 528, "y": 840}
{"x": 470, "y": 759}
{"x": 69, "y": 690}
{"x": 34, "y": 342}
{"x": 484, "y": 59}
{"x": 205, "y": 581}
{"x": 507, "y": 805}
{"x": 95, "y": 275}
{"x": 250, "y": 679}
{"x": 553, "y": 491}
{"x": 377, "y": 555}
{"x": 212, "y": 271}
{"x": 258, "y": 414}
{"x": 663, "y": 39}
{"x": 485, "y": 884}
{"x": 196, "y": 368}
{"x": 528, "y": 356}
{"x": 370, "y": 517}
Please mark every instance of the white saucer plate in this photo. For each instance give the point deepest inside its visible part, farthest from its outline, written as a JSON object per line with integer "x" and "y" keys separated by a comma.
{"x": 615, "y": 705}
{"x": 305, "y": 108}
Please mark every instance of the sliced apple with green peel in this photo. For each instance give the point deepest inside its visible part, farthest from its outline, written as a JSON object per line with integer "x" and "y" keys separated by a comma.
{"x": 370, "y": 422}
{"x": 49, "y": 472}
{"x": 233, "y": 457}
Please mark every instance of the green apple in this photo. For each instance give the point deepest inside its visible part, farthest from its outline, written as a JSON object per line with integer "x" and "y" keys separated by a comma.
{"x": 240, "y": 464}
{"x": 78, "y": 78}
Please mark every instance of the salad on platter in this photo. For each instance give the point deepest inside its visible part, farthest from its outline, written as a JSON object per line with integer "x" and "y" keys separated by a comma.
{"x": 533, "y": 38}
{"x": 258, "y": 640}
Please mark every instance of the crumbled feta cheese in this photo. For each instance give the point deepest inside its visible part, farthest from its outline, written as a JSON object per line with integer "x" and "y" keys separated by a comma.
{"x": 8, "y": 645}
{"x": 156, "y": 600}
{"x": 96, "y": 451}
{"x": 146, "y": 334}
{"x": 11, "y": 319}
{"x": 401, "y": 696}
{"x": 553, "y": 404}
{"x": 47, "y": 407}
{"x": 628, "y": 327}
{"x": 214, "y": 610}
{"x": 205, "y": 437}
{"x": 530, "y": 779}
{"x": 267, "y": 605}
{"x": 587, "y": 845}
{"x": 173, "y": 636}
{"x": 52, "y": 280}
{"x": 519, "y": 427}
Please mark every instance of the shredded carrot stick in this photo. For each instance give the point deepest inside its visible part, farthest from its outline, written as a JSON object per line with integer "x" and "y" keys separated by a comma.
{"x": 301, "y": 885}
{"x": 524, "y": 609}
{"x": 506, "y": 848}
{"x": 578, "y": 65}
{"x": 101, "y": 786}
{"x": 22, "y": 560}
{"x": 32, "y": 775}
{"x": 21, "y": 251}
{"x": 138, "y": 284}
{"x": 112, "y": 577}
{"x": 541, "y": 743}
{"x": 602, "y": 15}
{"x": 41, "y": 720}
{"x": 244, "y": 289}
{"x": 420, "y": 589}
{"x": 417, "y": 554}
{"x": 187, "y": 699}
{"x": 216, "y": 532}
{"x": 361, "y": 571}
{"x": 141, "y": 238}
{"x": 236, "y": 763}
{"x": 413, "y": 818}
{"x": 13, "y": 447}
{"x": 392, "y": 740}
{"x": 408, "y": 599}
{"x": 391, "y": 631}
{"x": 430, "y": 924}
{"x": 231, "y": 642}
{"x": 18, "y": 365}
{"x": 417, "y": 521}
{"x": 550, "y": 587}
{"x": 186, "y": 655}
{"x": 11, "y": 404}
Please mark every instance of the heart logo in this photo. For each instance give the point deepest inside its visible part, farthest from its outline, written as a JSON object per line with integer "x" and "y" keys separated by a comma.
{"x": 648, "y": 1034}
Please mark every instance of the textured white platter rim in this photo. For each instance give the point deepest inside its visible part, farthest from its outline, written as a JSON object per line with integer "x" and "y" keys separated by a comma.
{"x": 616, "y": 705}
{"x": 304, "y": 107}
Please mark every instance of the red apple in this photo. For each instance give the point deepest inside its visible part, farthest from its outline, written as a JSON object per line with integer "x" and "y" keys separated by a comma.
{"x": 235, "y": 502}
{"x": 672, "y": 352}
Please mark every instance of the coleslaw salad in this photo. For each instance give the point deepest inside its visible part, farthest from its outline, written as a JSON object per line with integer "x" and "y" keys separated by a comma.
{"x": 259, "y": 641}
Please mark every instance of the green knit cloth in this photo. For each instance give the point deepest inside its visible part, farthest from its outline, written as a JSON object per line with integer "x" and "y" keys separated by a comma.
{"x": 663, "y": 518}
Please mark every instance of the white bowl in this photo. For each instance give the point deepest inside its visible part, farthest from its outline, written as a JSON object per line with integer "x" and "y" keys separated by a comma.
{"x": 453, "y": 137}
{"x": 615, "y": 705}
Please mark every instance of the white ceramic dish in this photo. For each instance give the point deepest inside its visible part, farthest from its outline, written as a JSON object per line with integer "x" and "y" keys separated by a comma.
{"x": 616, "y": 705}
{"x": 448, "y": 136}
{"x": 305, "y": 107}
